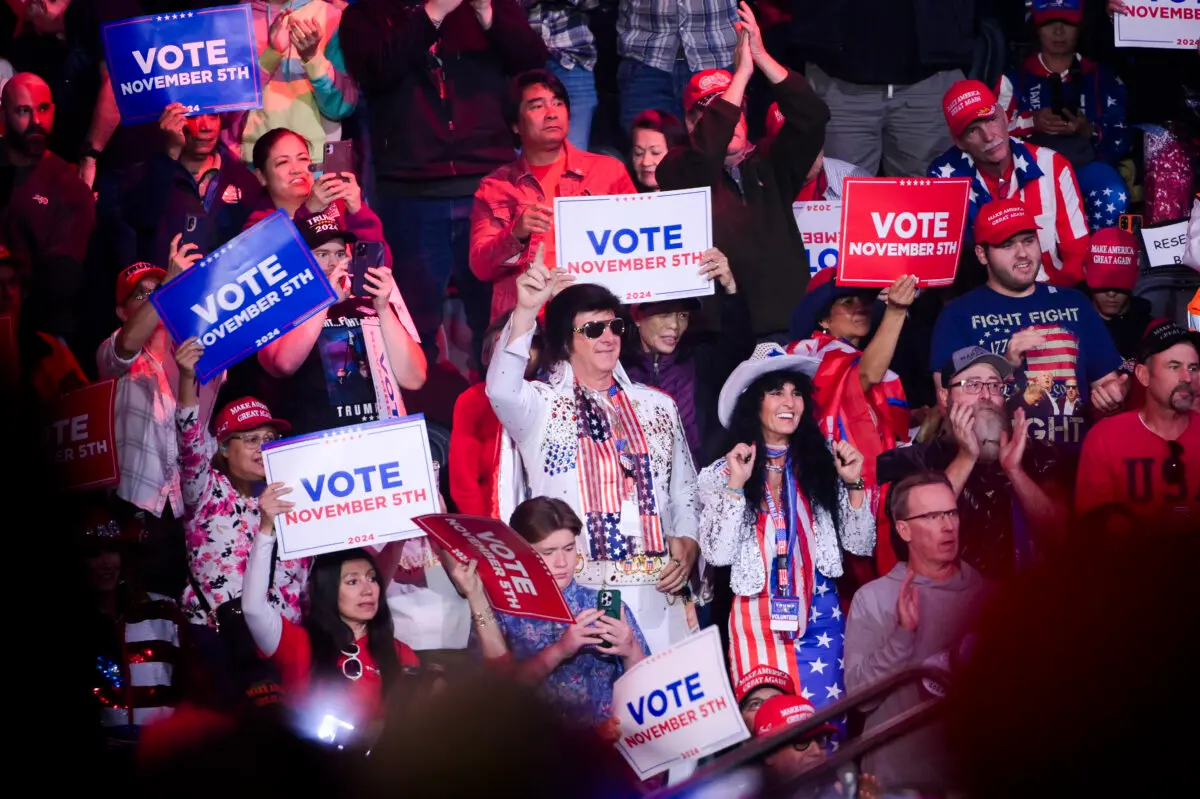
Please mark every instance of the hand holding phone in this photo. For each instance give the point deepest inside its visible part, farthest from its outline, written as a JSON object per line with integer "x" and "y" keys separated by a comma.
{"x": 366, "y": 255}
{"x": 339, "y": 157}
{"x": 609, "y": 602}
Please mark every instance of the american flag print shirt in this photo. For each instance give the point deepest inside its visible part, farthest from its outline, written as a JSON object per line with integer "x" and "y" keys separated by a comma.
{"x": 1053, "y": 379}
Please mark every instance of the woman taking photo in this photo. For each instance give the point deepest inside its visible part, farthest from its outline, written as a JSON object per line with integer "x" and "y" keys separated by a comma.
{"x": 780, "y": 508}
{"x": 577, "y": 664}
{"x": 281, "y": 163}
{"x": 342, "y": 658}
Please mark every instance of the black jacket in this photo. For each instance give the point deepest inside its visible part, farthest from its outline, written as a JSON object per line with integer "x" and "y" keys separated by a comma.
{"x": 158, "y": 195}
{"x": 438, "y": 117}
{"x": 886, "y": 41}
{"x": 753, "y": 223}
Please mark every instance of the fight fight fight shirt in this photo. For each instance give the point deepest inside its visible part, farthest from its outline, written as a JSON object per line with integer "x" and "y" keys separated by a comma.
{"x": 1052, "y": 383}
{"x": 336, "y": 385}
{"x": 1124, "y": 463}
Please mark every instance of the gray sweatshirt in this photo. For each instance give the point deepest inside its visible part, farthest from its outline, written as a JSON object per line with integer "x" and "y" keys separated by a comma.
{"x": 877, "y": 646}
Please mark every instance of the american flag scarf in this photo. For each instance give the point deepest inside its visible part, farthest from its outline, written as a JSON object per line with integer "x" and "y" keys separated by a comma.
{"x": 605, "y": 463}
{"x": 873, "y": 421}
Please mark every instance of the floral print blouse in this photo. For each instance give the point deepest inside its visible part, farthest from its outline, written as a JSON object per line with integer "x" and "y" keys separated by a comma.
{"x": 219, "y": 527}
{"x": 581, "y": 687}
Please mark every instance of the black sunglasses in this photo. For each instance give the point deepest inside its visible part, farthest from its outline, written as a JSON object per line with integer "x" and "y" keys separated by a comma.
{"x": 596, "y": 329}
{"x": 1172, "y": 468}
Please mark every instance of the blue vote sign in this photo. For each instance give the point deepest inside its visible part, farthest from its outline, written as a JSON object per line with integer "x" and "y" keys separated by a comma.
{"x": 205, "y": 59}
{"x": 249, "y": 292}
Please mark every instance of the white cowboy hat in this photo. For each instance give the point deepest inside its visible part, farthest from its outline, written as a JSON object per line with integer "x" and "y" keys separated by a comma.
{"x": 766, "y": 358}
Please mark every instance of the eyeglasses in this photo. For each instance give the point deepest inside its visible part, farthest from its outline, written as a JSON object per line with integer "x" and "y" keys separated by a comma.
{"x": 821, "y": 739}
{"x": 975, "y": 385}
{"x": 1172, "y": 468}
{"x": 934, "y": 516}
{"x": 594, "y": 330}
{"x": 352, "y": 666}
{"x": 142, "y": 294}
{"x": 257, "y": 440}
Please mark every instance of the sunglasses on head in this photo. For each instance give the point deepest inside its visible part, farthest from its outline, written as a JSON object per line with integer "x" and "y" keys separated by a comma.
{"x": 1172, "y": 468}
{"x": 594, "y": 330}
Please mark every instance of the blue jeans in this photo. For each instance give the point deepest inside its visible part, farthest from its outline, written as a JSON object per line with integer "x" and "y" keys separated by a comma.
{"x": 430, "y": 242}
{"x": 581, "y": 88}
{"x": 643, "y": 88}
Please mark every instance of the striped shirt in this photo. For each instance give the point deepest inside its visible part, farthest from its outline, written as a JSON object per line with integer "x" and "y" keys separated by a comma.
{"x": 1045, "y": 182}
{"x": 658, "y": 32}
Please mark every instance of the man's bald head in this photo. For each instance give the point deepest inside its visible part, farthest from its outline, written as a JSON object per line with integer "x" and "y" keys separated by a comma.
{"x": 28, "y": 113}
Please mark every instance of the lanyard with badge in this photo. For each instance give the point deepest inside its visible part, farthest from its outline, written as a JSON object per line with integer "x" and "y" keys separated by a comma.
{"x": 785, "y": 602}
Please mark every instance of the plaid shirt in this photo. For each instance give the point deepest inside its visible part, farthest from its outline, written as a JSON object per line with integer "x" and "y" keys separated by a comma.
{"x": 147, "y": 448}
{"x": 563, "y": 26}
{"x": 654, "y": 32}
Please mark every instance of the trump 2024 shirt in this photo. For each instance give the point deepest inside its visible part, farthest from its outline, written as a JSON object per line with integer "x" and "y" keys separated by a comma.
{"x": 1052, "y": 383}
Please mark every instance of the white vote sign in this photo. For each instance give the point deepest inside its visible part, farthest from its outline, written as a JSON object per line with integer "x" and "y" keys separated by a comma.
{"x": 1159, "y": 24}
{"x": 820, "y": 224}
{"x": 677, "y": 705}
{"x": 1165, "y": 244}
{"x": 642, "y": 247}
{"x": 353, "y": 486}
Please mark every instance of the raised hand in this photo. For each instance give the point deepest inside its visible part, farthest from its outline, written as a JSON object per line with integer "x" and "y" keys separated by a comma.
{"x": 535, "y": 286}
{"x": 740, "y": 462}
{"x": 279, "y": 34}
{"x": 907, "y": 610}
{"x": 306, "y": 36}
{"x": 962, "y": 423}
{"x": 848, "y": 461}
{"x": 187, "y": 355}
{"x": 1012, "y": 447}
{"x": 716, "y": 267}
{"x": 181, "y": 259}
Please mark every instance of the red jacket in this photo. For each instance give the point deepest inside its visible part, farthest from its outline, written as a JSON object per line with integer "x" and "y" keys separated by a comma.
{"x": 496, "y": 255}
{"x": 475, "y": 454}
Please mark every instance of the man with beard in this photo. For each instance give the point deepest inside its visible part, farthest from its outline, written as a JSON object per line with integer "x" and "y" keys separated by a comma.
{"x": 1012, "y": 491}
{"x": 46, "y": 212}
{"x": 1149, "y": 460}
{"x": 1047, "y": 334}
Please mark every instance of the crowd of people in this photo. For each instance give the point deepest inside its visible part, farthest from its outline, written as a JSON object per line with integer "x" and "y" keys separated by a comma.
{"x": 839, "y": 479}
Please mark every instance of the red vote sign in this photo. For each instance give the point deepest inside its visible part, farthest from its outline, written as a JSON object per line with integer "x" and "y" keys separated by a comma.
{"x": 81, "y": 437}
{"x": 514, "y": 576}
{"x": 901, "y": 226}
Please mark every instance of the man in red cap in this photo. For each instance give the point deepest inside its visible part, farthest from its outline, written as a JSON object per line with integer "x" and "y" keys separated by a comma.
{"x": 777, "y": 714}
{"x": 1003, "y": 168}
{"x": 1148, "y": 461}
{"x": 1112, "y": 270}
{"x": 757, "y": 686}
{"x": 1047, "y": 334}
{"x": 752, "y": 189}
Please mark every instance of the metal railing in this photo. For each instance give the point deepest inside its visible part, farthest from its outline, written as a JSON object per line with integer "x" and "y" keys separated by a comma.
{"x": 754, "y": 750}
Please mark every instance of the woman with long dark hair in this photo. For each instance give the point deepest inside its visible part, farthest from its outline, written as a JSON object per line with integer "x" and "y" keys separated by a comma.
{"x": 779, "y": 509}
{"x": 342, "y": 659}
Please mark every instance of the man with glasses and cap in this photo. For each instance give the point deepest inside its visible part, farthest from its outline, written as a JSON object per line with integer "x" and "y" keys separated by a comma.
{"x": 1148, "y": 460}
{"x": 1010, "y": 489}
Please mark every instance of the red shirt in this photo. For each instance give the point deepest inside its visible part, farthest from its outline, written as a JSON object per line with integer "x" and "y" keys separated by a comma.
{"x": 353, "y": 700}
{"x": 475, "y": 454}
{"x": 1123, "y": 462}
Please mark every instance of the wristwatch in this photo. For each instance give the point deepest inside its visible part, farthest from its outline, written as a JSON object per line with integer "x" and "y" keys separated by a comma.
{"x": 88, "y": 151}
{"x": 857, "y": 485}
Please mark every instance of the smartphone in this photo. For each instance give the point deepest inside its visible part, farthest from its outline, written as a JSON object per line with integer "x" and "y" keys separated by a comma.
{"x": 1130, "y": 222}
{"x": 609, "y": 601}
{"x": 367, "y": 255}
{"x": 193, "y": 232}
{"x": 339, "y": 157}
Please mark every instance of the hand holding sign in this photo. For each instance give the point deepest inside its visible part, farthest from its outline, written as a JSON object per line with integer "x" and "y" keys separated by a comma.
{"x": 172, "y": 123}
{"x": 716, "y": 267}
{"x": 271, "y": 505}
